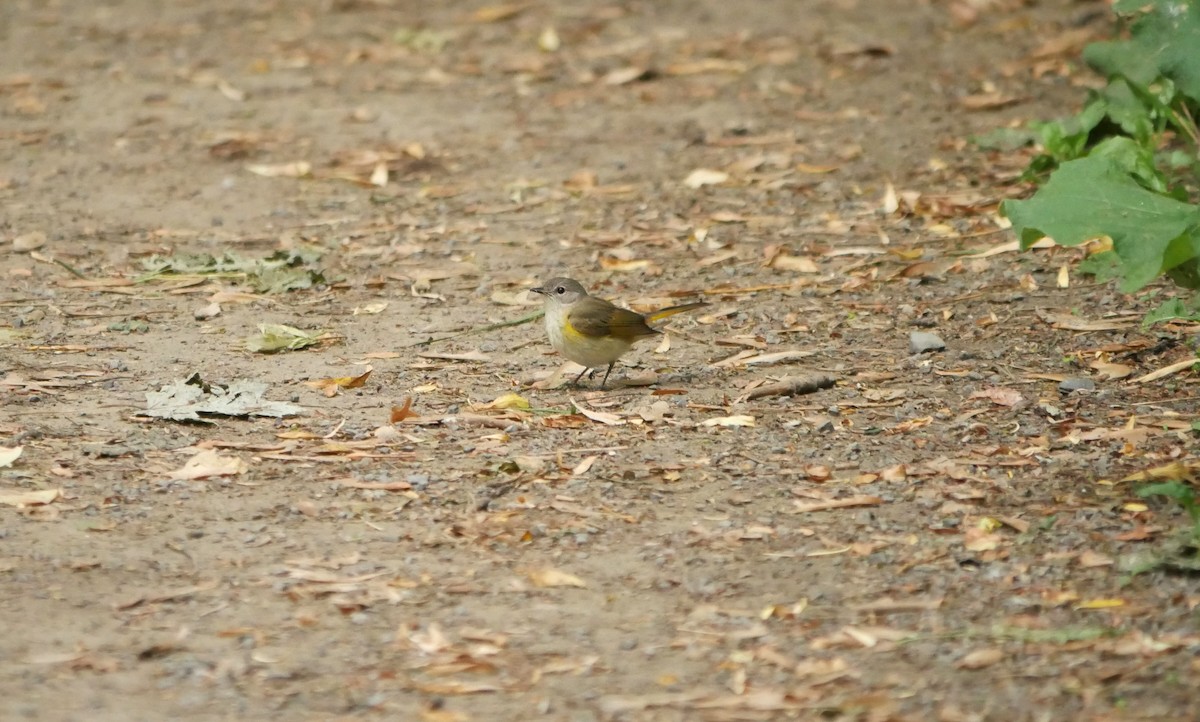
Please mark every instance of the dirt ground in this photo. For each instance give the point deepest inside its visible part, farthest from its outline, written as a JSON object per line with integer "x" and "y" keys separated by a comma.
{"x": 938, "y": 536}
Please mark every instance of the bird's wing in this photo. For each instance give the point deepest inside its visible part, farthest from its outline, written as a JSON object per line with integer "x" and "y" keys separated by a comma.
{"x": 618, "y": 322}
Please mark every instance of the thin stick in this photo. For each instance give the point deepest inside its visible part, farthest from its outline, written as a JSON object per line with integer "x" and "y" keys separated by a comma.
{"x": 69, "y": 268}
{"x": 482, "y": 329}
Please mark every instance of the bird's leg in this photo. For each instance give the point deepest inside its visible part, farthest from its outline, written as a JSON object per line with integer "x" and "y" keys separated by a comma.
{"x": 581, "y": 373}
{"x": 606, "y": 373}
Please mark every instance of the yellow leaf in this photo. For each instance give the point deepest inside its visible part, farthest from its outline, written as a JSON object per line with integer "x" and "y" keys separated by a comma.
{"x": 511, "y": 401}
{"x": 1100, "y": 604}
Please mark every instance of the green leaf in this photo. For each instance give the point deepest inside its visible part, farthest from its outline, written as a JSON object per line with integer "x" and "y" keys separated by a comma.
{"x": 275, "y": 337}
{"x": 1163, "y": 42}
{"x": 1005, "y": 139}
{"x": 1177, "y": 491}
{"x": 1067, "y": 138}
{"x": 1094, "y": 197}
{"x": 1129, "y": 110}
{"x": 1134, "y": 158}
{"x": 1103, "y": 267}
{"x": 1173, "y": 309}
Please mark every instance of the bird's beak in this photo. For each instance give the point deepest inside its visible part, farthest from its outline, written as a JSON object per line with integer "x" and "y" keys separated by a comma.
{"x": 540, "y": 290}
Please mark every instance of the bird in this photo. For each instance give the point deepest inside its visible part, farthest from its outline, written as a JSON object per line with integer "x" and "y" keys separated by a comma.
{"x": 591, "y": 331}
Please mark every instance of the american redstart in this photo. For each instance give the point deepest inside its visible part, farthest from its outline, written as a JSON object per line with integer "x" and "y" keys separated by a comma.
{"x": 591, "y": 331}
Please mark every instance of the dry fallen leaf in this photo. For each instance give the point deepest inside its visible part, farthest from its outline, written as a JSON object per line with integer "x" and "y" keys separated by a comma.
{"x": 498, "y": 13}
{"x": 9, "y": 454}
{"x": 705, "y": 177}
{"x": 30, "y": 498}
{"x": 550, "y": 577}
{"x": 331, "y": 386}
{"x": 512, "y": 401}
{"x": 795, "y": 264}
{"x": 738, "y": 420}
{"x": 1109, "y": 371}
{"x": 1089, "y": 559}
{"x": 1000, "y": 396}
{"x": 980, "y": 658}
{"x": 400, "y": 413}
{"x": 209, "y": 463}
{"x": 584, "y": 466}
{"x": 602, "y": 417}
{"x": 980, "y": 540}
{"x": 1100, "y": 604}
{"x": 296, "y": 169}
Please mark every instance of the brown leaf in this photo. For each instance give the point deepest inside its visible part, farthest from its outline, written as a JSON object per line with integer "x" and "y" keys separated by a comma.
{"x": 400, "y": 413}
{"x": 980, "y": 658}
{"x": 498, "y": 13}
{"x": 988, "y": 101}
{"x": 331, "y": 386}
{"x": 1110, "y": 371}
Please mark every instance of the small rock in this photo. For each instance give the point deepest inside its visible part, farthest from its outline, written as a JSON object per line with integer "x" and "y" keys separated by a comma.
{"x": 923, "y": 342}
{"x": 204, "y": 313}
{"x": 1076, "y": 384}
{"x": 29, "y": 242}
{"x": 822, "y": 424}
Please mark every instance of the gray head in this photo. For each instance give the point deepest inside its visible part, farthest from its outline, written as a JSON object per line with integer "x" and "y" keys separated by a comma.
{"x": 563, "y": 290}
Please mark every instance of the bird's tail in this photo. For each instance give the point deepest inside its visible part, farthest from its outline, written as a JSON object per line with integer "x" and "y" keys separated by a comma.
{"x": 672, "y": 310}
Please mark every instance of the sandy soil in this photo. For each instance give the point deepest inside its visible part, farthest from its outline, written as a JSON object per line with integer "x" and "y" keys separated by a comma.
{"x": 938, "y": 536}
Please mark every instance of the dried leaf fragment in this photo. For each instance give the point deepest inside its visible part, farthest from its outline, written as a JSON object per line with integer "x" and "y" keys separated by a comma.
{"x": 331, "y": 386}
{"x": 602, "y": 417}
{"x": 705, "y": 177}
{"x": 551, "y": 577}
{"x": 498, "y": 13}
{"x": 1000, "y": 396}
{"x": 208, "y": 463}
{"x": 400, "y": 413}
{"x": 736, "y": 420}
{"x": 295, "y": 169}
{"x": 30, "y": 498}
{"x": 275, "y": 337}
{"x": 512, "y": 401}
{"x": 190, "y": 399}
{"x": 9, "y": 454}
{"x": 980, "y": 658}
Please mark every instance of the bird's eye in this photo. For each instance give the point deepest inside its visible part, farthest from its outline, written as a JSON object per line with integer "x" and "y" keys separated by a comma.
{"x": 560, "y": 290}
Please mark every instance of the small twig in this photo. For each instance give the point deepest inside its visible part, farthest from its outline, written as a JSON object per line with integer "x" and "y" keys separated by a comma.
{"x": 69, "y": 268}
{"x": 481, "y": 329}
{"x": 793, "y": 386}
{"x": 802, "y": 507}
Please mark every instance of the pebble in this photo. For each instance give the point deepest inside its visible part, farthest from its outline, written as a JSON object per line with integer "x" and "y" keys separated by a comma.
{"x": 1076, "y": 384}
{"x": 923, "y": 341}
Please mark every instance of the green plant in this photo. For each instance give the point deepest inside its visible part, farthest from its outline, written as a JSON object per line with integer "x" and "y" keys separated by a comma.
{"x": 1181, "y": 493}
{"x": 1126, "y": 166}
{"x": 1180, "y": 552}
